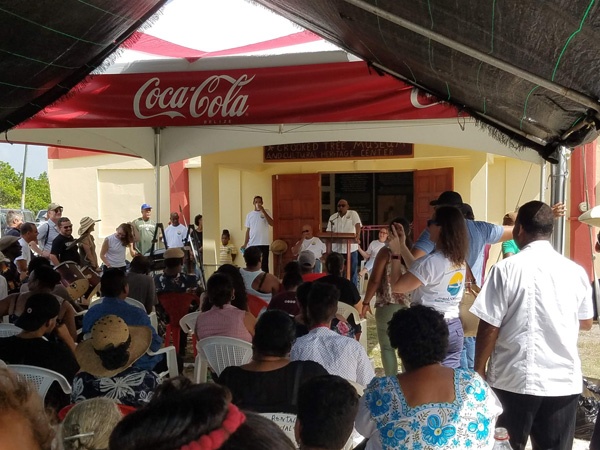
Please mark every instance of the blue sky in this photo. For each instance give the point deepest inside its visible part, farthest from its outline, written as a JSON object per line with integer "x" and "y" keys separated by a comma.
{"x": 37, "y": 158}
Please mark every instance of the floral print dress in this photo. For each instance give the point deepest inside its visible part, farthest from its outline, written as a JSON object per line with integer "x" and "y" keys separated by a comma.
{"x": 467, "y": 423}
{"x": 132, "y": 387}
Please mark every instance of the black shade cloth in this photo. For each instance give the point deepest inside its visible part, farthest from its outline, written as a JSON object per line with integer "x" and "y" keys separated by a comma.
{"x": 557, "y": 40}
{"x": 48, "y": 46}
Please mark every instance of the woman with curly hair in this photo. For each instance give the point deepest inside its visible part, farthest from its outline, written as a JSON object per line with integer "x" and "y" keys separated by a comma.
{"x": 429, "y": 405}
{"x": 188, "y": 416}
{"x": 113, "y": 248}
{"x": 437, "y": 279}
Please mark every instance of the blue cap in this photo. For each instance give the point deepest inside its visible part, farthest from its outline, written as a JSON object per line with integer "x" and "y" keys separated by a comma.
{"x": 146, "y": 206}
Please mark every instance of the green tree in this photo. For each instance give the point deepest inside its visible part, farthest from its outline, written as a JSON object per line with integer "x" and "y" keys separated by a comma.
{"x": 37, "y": 191}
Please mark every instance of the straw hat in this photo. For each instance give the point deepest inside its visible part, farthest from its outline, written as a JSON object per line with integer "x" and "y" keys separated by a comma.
{"x": 107, "y": 333}
{"x": 85, "y": 224}
{"x": 279, "y": 247}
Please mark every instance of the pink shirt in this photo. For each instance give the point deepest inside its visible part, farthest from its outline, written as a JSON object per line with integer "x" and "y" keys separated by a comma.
{"x": 228, "y": 321}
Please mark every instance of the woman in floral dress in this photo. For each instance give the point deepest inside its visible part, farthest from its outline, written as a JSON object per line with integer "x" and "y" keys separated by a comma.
{"x": 429, "y": 406}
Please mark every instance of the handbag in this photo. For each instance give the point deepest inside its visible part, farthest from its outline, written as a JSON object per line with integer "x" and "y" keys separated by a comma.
{"x": 470, "y": 321}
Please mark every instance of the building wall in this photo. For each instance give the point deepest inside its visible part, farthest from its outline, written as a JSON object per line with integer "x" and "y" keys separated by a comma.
{"x": 105, "y": 186}
{"x": 489, "y": 183}
{"x": 222, "y": 185}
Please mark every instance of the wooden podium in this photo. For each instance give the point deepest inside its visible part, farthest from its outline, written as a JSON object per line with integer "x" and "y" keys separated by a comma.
{"x": 339, "y": 238}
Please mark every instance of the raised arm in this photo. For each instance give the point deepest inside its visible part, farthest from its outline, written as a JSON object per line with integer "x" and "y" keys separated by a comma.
{"x": 374, "y": 280}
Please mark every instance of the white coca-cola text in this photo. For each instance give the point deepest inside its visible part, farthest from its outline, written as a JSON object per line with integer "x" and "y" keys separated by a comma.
{"x": 153, "y": 100}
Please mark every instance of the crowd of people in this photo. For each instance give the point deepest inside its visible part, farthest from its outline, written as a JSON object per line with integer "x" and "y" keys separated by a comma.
{"x": 441, "y": 389}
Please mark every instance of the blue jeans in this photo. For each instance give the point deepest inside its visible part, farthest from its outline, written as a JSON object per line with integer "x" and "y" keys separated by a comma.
{"x": 467, "y": 357}
{"x": 354, "y": 268}
{"x": 317, "y": 268}
{"x": 455, "y": 344}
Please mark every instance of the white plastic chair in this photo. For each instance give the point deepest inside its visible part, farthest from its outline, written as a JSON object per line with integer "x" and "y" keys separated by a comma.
{"x": 220, "y": 352}
{"x": 41, "y": 378}
{"x": 9, "y": 329}
{"x": 285, "y": 421}
{"x": 346, "y": 310}
{"x": 188, "y": 325}
{"x": 171, "y": 355}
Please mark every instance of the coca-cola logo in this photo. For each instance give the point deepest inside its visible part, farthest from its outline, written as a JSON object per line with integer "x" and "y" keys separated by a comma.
{"x": 216, "y": 96}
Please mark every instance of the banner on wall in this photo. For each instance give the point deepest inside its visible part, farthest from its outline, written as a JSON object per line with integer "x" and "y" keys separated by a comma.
{"x": 336, "y": 92}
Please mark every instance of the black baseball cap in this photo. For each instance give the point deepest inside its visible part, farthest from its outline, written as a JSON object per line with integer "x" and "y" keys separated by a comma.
{"x": 39, "y": 308}
{"x": 448, "y": 198}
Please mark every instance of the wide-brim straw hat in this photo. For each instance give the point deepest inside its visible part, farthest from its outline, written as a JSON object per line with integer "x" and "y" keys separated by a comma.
{"x": 112, "y": 330}
{"x": 85, "y": 224}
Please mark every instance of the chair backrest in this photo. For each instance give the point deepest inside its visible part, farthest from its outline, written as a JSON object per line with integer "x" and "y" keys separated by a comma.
{"x": 128, "y": 300}
{"x": 285, "y": 421}
{"x": 188, "y": 322}
{"x": 8, "y": 329}
{"x": 346, "y": 310}
{"x": 222, "y": 352}
{"x": 41, "y": 378}
{"x": 256, "y": 305}
{"x": 176, "y": 305}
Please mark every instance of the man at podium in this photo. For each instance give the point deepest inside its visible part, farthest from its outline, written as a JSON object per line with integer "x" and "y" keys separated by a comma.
{"x": 346, "y": 220}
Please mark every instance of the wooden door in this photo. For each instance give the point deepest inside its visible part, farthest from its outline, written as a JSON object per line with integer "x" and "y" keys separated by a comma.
{"x": 296, "y": 201}
{"x": 428, "y": 185}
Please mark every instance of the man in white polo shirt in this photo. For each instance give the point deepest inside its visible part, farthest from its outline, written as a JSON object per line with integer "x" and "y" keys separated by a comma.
{"x": 311, "y": 243}
{"x": 258, "y": 222}
{"x": 346, "y": 221}
{"x": 532, "y": 307}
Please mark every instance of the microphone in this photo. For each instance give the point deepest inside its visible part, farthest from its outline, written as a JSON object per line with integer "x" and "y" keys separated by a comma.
{"x": 334, "y": 219}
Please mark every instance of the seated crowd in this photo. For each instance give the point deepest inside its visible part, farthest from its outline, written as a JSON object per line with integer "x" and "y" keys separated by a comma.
{"x": 309, "y": 384}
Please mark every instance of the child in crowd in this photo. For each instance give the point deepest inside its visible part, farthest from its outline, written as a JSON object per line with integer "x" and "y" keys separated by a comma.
{"x": 228, "y": 251}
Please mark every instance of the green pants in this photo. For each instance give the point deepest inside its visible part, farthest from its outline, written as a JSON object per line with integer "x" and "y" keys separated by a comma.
{"x": 389, "y": 358}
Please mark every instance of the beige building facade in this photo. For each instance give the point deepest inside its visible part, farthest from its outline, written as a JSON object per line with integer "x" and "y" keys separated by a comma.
{"x": 221, "y": 185}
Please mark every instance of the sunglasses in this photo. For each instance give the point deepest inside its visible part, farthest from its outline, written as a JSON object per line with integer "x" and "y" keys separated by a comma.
{"x": 58, "y": 210}
{"x": 432, "y": 222}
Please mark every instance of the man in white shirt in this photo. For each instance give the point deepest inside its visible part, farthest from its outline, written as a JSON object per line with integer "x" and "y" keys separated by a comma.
{"x": 29, "y": 234}
{"x": 311, "y": 243}
{"x": 346, "y": 221}
{"x": 532, "y": 307}
{"x": 175, "y": 233}
{"x": 339, "y": 355}
{"x": 258, "y": 222}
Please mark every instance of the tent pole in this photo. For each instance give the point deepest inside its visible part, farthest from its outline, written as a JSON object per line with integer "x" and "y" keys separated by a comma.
{"x": 558, "y": 194}
{"x": 24, "y": 180}
{"x": 543, "y": 181}
{"x": 478, "y": 55}
{"x": 157, "y": 171}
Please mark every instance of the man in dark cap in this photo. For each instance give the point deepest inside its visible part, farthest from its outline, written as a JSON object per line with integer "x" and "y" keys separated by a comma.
{"x": 42, "y": 343}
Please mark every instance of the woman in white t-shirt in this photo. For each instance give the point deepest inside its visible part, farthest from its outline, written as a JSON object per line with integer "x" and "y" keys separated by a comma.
{"x": 114, "y": 246}
{"x": 437, "y": 279}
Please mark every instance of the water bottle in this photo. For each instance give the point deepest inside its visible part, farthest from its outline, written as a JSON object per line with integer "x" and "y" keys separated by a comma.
{"x": 501, "y": 439}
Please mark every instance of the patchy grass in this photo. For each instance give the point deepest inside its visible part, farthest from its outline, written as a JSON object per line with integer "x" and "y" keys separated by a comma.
{"x": 589, "y": 349}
